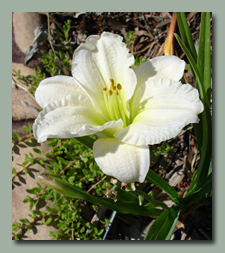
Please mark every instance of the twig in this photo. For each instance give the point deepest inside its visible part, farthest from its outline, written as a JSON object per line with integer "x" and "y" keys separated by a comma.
{"x": 23, "y": 88}
{"x": 144, "y": 49}
{"x": 31, "y": 224}
{"x": 56, "y": 23}
{"x": 67, "y": 167}
{"x": 147, "y": 28}
{"x": 93, "y": 186}
{"x": 49, "y": 34}
{"x": 22, "y": 139}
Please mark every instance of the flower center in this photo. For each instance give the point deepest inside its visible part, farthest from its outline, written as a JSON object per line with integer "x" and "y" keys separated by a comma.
{"x": 113, "y": 101}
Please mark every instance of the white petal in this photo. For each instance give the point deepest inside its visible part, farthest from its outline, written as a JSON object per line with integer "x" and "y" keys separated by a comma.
{"x": 169, "y": 66}
{"x": 164, "y": 107}
{"x": 56, "y": 88}
{"x": 156, "y": 125}
{"x": 99, "y": 60}
{"x": 165, "y": 94}
{"x": 125, "y": 162}
{"x": 72, "y": 116}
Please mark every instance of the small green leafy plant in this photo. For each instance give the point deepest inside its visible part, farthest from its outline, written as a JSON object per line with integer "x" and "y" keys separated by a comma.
{"x": 74, "y": 162}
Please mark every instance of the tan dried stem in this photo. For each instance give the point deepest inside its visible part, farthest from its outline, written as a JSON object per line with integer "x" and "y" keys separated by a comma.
{"x": 169, "y": 43}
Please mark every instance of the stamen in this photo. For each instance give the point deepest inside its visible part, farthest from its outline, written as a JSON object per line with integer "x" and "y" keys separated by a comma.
{"x": 110, "y": 93}
{"x": 114, "y": 103}
{"x": 113, "y": 87}
{"x": 119, "y": 86}
{"x": 112, "y": 81}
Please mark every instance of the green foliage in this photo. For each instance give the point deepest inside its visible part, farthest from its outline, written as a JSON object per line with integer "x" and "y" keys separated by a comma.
{"x": 66, "y": 38}
{"x": 154, "y": 178}
{"x": 162, "y": 149}
{"x": 31, "y": 82}
{"x": 125, "y": 202}
{"x": 201, "y": 69}
{"x": 75, "y": 163}
{"x": 128, "y": 40}
{"x": 129, "y": 37}
{"x": 39, "y": 75}
{"x": 163, "y": 227}
{"x": 17, "y": 137}
{"x": 138, "y": 61}
{"x": 185, "y": 32}
{"x": 23, "y": 79}
{"x": 54, "y": 62}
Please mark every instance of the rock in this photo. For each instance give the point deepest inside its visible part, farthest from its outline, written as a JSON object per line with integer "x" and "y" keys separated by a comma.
{"x": 23, "y": 26}
{"x": 19, "y": 110}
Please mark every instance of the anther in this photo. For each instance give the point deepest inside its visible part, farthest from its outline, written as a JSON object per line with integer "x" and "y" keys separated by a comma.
{"x": 104, "y": 88}
{"x": 119, "y": 86}
{"x": 117, "y": 92}
{"x": 113, "y": 87}
{"x": 110, "y": 93}
{"x": 112, "y": 81}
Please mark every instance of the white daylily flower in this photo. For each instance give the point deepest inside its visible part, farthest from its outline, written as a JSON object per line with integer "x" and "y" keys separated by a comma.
{"x": 129, "y": 108}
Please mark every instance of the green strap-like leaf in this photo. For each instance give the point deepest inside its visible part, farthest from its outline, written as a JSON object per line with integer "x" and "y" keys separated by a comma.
{"x": 189, "y": 49}
{"x": 193, "y": 66}
{"x": 150, "y": 198}
{"x": 201, "y": 69}
{"x": 204, "y": 55}
{"x": 185, "y": 33}
{"x": 127, "y": 205}
{"x": 86, "y": 140}
{"x": 163, "y": 227}
{"x": 155, "y": 179}
{"x": 203, "y": 132}
{"x": 200, "y": 193}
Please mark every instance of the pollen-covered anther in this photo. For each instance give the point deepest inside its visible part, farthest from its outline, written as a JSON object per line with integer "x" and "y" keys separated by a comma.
{"x": 119, "y": 86}
{"x": 116, "y": 92}
{"x": 112, "y": 81}
{"x": 110, "y": 93}
{"x": 104, "y": 88}
{"x": 113, "y": 87}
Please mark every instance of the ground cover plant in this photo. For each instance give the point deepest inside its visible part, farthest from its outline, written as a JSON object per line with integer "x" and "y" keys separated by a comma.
{"x": 178, "y": 185}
